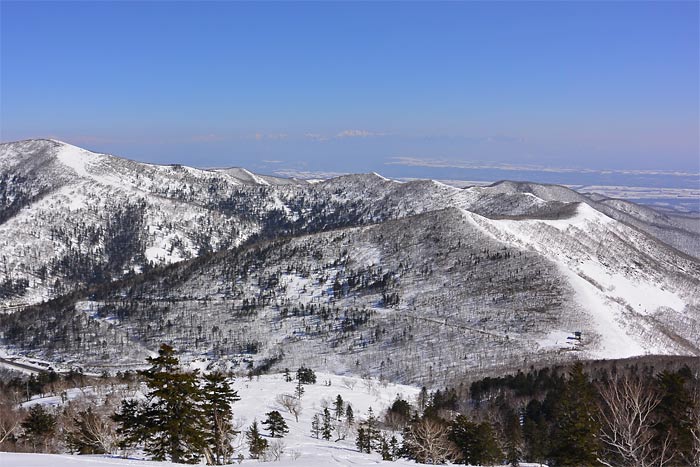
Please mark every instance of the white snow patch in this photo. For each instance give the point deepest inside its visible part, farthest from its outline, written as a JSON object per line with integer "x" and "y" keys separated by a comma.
{"x": 77, "y": 159}
{"x": 558, "y": 340}
{"x": 615, "y": 342}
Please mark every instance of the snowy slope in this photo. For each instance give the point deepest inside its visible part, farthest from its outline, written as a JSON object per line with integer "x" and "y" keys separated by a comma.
{"x": 622, "y": 285}
{"x": 258, "y": 397}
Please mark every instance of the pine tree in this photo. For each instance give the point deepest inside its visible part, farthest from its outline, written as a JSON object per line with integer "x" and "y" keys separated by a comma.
{"x": 575, "y": 439}
{"x": 394, "y": 448}
{"x": 170, "y": 423}
{"x": 275, "y": 424}
{"x": 423, "y": 398}
{"x": 326, "y": 427}
{"x": 372, "y": 429}
{"x": 675, "y": 413}
{"x": 306, "y": 375}
{"x": 513, "y": 435}
{"x": 257, "y": 445}
{"x": 299, "y": 391}
{"x": 218, "y": 399}
{"x": 339, "y": 405}
{"x": 349, "y": 415}
{"x": 384, "y": 449}
{"x": 535, "y": 432}
{"x": 39, "y": 427}
{"x": 361, "y": 441}
{"x": 476, "y": 441}
{"x": 316, "y": 426}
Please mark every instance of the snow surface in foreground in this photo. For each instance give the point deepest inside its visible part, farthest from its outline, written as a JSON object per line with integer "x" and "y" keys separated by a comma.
{"x": 54, "y": 460}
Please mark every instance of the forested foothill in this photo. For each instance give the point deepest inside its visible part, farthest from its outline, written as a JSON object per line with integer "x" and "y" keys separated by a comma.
{"x": 640, "y": 412}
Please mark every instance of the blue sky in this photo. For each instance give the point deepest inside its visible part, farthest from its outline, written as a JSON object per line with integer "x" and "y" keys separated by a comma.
{"x": 358, "y": 86}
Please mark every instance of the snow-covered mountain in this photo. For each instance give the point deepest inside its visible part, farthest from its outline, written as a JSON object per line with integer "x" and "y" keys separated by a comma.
{"x": 416, "y": 282}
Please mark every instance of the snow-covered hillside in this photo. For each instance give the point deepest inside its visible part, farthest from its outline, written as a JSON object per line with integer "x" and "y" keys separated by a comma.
{"x": 258, "y": 396}
{"x": 415, "y": 282}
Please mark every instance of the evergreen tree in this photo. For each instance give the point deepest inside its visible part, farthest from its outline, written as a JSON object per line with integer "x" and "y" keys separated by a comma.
{"x": 575, "y": 433}
{"x": 423, "y": 398}
{"x": 349, "y": 415}
{"x": 218, "y": 399}
{"x": 326, "y": 427}
{"x": 675, "y": 413}
{"x": 362, "y": 442}
{"x": 385, "y": 450}
{"x": 306, "y": 375}
{"x": 316, "y": 426}
{"x": 339, "y": 406}
{"x": 287, "y": 376}
{"x": 476, "y": 441}
{"x": 39, "y": 427}
{"x": 372, "y": 429}
{"x": 394, "y": 447}
{"x": 170, "y": 422}
{"x": 256, "y": 443}
{"x": 535, "y": 432}
{"x": 299, "y": 391}
{"x": 275, "y": 424}
{"x": 513, "y": 434}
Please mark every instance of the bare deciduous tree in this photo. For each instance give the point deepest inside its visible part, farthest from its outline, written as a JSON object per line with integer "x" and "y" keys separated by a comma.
{"x": 429, "y": 442}
{"x": 626, "y": 412}
{"x": 349, "y": 383}
{"x": 341, "y": 429}
{"x": 695, "y": 418}
{"x": 10, "y": 421}
{"x": 290, "y": 403}
{"x": 274, "y": 451}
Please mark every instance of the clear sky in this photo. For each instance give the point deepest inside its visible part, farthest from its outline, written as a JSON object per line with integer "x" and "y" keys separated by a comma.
{"x": 358, "y": 86}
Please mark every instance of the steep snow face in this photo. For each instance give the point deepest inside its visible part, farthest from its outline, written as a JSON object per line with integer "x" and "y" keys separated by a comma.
{"x": 678, "y": 232}
{"x": 77, "y": 159}
{"x": 621, "y": 278}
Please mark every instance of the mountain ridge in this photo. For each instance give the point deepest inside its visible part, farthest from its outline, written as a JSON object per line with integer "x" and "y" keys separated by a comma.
{"x": 505, "y": 273}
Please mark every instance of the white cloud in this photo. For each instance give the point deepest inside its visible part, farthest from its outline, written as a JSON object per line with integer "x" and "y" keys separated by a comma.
{"x": 358, "y": 134}
{"x": 457, "y": 164}
{"x": 307, "y": 174}
{"x": 315, "y": 137}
